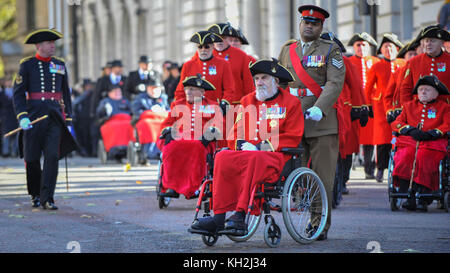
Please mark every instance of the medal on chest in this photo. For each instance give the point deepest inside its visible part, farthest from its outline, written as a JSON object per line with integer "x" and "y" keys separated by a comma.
{"x": 56, "y": 68}
{"x": 274, "y": 112}
{"x": 313, "y": 61}
{"x": 431, "y": 113}
{"x": 212, "y": 70}
{"x": 441, "y": 67}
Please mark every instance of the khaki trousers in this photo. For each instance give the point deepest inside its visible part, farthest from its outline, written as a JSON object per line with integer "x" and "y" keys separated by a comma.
{"x": 323, "y": 152}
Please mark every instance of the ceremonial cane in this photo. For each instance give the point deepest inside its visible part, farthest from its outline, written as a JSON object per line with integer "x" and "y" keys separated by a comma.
{"x": 20, "y": 128}
{"x": 67, "y": 175}
{"x": 419, "y": 126}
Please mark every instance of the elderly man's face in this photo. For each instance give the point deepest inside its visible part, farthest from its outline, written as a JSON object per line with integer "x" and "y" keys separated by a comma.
{"x": 154, "y": 91}
{"x": 310, "y": 31}
{"x": 410, "y": 54}
{"x": 266, "y": 86}
{"x": 361, "y": 48}
{"x": 389, "y": 50}
{"x": 432, "y": 46}
{"x": 427, "y": 93}
{"x": 233, "y": 41}
{"x": 221, "y": 46}
{"x": 193, "y": 94}
{"x": 115, "y": 94}
{"x": 205, "y": 51}
{"x": 46, "y": 49}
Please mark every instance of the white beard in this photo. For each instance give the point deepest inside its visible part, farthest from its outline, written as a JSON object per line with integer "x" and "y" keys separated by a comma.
{"x": 263, "y": 92}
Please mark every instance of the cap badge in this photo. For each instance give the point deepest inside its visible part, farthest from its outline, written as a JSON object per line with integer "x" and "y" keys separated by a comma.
{"x": 311, "y": 12}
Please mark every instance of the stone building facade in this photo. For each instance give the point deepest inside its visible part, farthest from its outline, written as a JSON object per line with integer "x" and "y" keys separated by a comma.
{"x": 161, "y": 29}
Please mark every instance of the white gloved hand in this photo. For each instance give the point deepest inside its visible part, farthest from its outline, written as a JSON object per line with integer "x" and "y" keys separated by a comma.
{"x": 314, "y": 113}
{"x": 246, "y": 146}
{"x": 109, "y": 109}
{"x": 157, "y": 108}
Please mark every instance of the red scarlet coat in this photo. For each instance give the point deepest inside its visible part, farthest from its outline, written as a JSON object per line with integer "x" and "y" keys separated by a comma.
{"x": 422, "y": 65}
{"x": 149, "y": 126}
{"x": 243, "y": 80}
{"x": 362, "y": 66}
{"x": 353, "y": 97}
{"x": 184, "y": 159}
{"x": 379, "y": 76}
{"x": 435, "y": 115}
{"x": 216, "y": 71}
{"x": 236, "y": 173}
{"x": 392, "y": 95}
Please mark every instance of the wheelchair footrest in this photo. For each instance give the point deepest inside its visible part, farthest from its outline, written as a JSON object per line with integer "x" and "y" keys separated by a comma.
{"x": 429, "y": 195}
{"x": 233, "y": 232}
{"x": 201, "y": 232}
{"x": 399, "y": 195}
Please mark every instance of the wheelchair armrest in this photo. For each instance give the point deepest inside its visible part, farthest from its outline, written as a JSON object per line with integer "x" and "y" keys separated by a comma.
{"x": 293, "y": 151}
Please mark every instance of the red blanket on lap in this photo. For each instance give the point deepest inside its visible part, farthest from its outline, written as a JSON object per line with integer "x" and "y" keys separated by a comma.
{"x": 149, "y": 126}
{"x": 184, "y": 164}
{"x": 429, "y": 154}
{"x": 236, "y": 173}
{"x": 117, "y": 131}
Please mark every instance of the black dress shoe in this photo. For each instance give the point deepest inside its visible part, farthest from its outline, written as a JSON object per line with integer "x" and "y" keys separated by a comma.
{"x": 236, "y": 221}
{"x": 171, "y": 193}
{"x": 35, "y": 201}
{"x": 49, "y": 206}
{"x": 206, "y": 224}
{"x": 422, "y": 205}
{"x": 310, "y": 230}
{"x": 379, "y": 177}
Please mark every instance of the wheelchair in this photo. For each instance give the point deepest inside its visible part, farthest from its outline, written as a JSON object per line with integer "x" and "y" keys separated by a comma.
{"x": 163, "y": 199}
{"x": 441, "y": 195}
{"x": 111, "y": 147}
{"x": 142, "y": 148}
{"x": 300, "y": 191}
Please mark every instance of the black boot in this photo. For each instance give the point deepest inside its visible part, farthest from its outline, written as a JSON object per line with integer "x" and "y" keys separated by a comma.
{"x": 35, "y": 201}
{"x": 236, "y": 221}
{"x": 209, "y": 224}
{"x": 379, "y": 177}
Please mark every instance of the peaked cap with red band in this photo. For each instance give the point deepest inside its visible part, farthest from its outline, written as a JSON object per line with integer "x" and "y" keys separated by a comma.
{"x": 313, "y": 13}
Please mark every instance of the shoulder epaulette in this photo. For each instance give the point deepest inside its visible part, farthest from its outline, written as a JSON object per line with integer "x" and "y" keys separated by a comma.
{"x": 327, "y": 41}
{"x": 288, "y": 42}
{"x": 59, "y": 59}
{"x": 26, "y": 59}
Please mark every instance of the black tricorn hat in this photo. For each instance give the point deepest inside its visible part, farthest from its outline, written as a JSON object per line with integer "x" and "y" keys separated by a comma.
{"x": 413, "y": 45}
{"x": 241, "y": 37}
{"x": 205, "y": 37}
{"x": 273, "y": 68}
{"x": 331, "y": 37}
{"x": 223, "y": 29}
{"x": 363, "y": 36}
{"x": 389, "y": 37}
{"x": 434, "y": 31}
{"x": 198, "y": 81}
{"x": 433, "y": 81}
{"x": 42, "y": 35}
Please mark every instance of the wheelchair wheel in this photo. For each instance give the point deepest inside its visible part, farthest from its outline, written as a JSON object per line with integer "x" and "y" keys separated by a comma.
{"x": 304, "y": 198}
{"x": 101, "y": 151}
{"x": 272, "y": 232}
{"x": 163, "y": 202}
{"x": 132, "y": 155}
{"x": 395, "y": 203}
{"x": 253, "y": 223}
{"x": 210, "y": 240}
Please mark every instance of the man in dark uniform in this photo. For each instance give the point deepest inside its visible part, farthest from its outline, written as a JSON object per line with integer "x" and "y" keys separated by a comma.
{"x": 138, "y": 79}
{"x": 8, "y": 120}
{"x": 41, "y": 87}
{"x": 319, "y": 73}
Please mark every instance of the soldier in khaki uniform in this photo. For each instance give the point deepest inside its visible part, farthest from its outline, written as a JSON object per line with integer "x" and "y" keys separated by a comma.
{"x": 319, "y": 72}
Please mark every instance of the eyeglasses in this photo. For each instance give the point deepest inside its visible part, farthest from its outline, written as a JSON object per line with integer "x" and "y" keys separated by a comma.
{"x": 204, "y": 46}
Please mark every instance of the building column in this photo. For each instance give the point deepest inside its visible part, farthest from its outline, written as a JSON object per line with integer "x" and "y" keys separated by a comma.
{"x": 252, "y": 25}
{"x": 279, "y": 25}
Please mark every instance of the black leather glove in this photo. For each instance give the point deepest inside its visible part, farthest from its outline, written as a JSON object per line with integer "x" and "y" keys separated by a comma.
{"x": 364, "y": 116}
{"x": 167, "y": 135}
{"x": 435, "y": 134}
{"x": 419, "y": 135}
{"x": 224, "y": 106}
{"x": 370, "y": 111}
{"x": 204, "y": 141}
{"x": 355, "y": 113}
{"x": 397, "y": 112}
{"x": 390, "y": 117}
